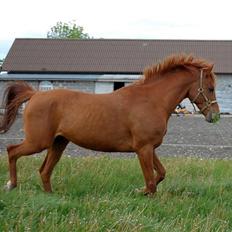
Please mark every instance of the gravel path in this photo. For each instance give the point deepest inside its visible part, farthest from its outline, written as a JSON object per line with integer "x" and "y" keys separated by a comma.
{"x": 187, "y": 136}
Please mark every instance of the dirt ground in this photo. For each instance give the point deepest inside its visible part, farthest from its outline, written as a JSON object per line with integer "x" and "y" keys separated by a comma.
{"x": 188, "y": 135}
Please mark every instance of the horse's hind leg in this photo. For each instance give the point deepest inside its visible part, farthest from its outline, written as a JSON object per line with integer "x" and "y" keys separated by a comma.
{"x": 53, "y": 156}
{"x": 15, "y": 152}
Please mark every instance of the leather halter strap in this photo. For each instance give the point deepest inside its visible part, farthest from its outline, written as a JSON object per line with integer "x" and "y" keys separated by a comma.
{"x": 201, "y": 91}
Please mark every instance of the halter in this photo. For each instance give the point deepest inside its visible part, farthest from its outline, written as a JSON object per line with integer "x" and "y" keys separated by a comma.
{"x": 200, "y": 90}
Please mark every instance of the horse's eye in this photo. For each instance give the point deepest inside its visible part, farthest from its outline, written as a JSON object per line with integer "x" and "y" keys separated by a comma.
{"x": 211, "y": 89}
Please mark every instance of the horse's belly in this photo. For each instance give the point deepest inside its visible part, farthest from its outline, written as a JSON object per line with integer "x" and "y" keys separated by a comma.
{"x": 102, "y": 141}
{"x": 103, "y": 145}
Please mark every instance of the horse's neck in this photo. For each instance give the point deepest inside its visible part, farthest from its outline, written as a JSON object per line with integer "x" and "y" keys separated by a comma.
{"x": 173, "y": 89}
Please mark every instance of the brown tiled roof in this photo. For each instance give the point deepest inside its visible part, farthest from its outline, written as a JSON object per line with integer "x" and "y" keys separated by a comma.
{"x": 109, "y": 55}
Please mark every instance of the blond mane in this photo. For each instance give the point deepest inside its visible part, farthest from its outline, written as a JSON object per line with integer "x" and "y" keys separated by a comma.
{"x": 170, "y": 63}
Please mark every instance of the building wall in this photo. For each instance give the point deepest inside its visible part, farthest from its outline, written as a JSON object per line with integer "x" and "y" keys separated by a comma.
{"x": 85, "y": 86}
{"x": 76, "y": 85}
{"x": 104, "y": 87}
{"x": 224, "y": 89}
{"x": 224, "y": 92}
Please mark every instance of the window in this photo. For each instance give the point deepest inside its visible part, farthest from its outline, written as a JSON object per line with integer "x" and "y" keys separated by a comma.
{"x": 118, "y": 85}
{"x": 45, "y": 85}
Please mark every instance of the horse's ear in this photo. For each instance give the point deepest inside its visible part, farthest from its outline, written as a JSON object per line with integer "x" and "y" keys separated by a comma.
{"x": 210, "y": 68}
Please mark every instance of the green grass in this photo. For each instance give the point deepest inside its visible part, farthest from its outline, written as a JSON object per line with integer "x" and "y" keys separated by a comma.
{"x": 97, "y": 194}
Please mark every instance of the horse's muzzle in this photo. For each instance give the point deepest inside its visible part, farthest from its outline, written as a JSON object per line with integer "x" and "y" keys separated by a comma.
{"x": 212, "y": 117}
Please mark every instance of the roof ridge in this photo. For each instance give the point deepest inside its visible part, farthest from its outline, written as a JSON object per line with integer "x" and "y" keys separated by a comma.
{"x": 129, "y": 39}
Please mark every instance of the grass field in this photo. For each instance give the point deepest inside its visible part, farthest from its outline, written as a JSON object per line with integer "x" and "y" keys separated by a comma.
{"x": 97, "y": 194}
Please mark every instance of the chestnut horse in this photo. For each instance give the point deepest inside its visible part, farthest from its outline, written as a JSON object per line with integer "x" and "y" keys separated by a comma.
{"x": 131, "y": 119}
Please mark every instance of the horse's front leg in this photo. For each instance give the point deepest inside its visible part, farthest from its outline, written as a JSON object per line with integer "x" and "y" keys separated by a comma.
{"x": 145, "y": 155}
{"x": 161, "y": 172}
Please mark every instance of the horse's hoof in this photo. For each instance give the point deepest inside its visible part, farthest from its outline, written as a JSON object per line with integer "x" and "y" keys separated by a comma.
{"x": 144, "y": 192}
{"x": 149, "y": 194}
{"x": 140, "y": 190}
{"x": 48, "y": 191}
{"x": 9, "y": 186}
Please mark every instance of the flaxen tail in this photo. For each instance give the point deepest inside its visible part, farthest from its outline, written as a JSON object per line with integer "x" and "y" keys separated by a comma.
{"x": 14, "y": 95}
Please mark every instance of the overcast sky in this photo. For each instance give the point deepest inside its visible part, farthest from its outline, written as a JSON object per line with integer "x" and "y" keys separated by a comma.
{"x": 124, "y": 19}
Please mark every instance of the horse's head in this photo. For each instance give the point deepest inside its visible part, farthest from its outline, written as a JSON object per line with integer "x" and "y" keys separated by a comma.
{"x": 203, "y": 94}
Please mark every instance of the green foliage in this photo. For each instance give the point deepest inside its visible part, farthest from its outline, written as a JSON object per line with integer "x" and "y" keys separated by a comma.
{"x": 97, "y": 194}
{"x": 1, "y": 62}
{"x": 68, "y": 30}
{"x": 216, "y": 117}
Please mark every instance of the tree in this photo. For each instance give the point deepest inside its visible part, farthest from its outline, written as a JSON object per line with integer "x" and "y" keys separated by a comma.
{"x": 68, "y": 30}
{"x": 1, "y": 62}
